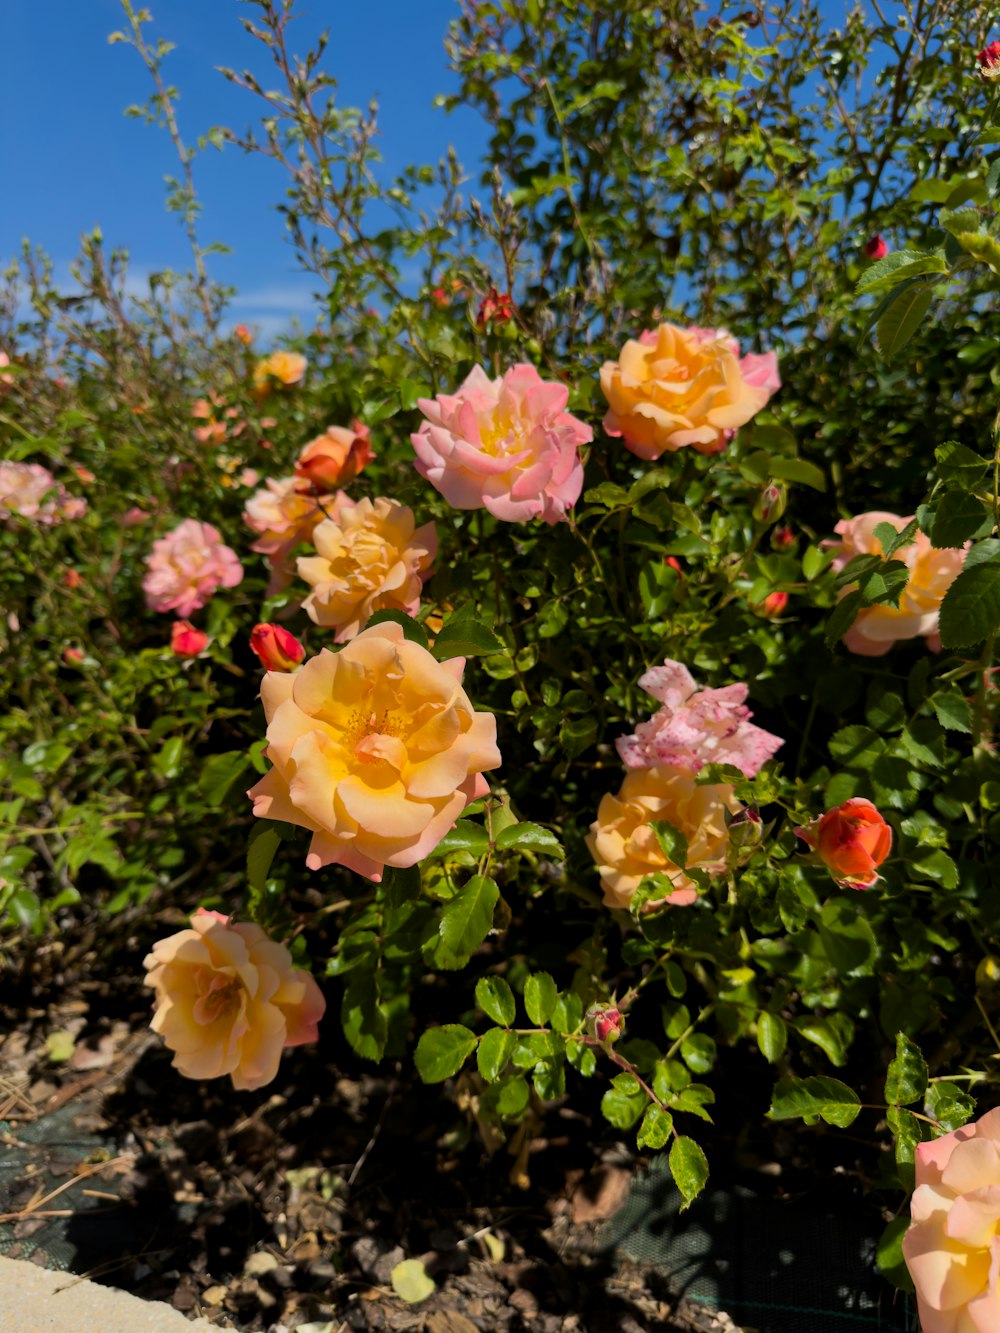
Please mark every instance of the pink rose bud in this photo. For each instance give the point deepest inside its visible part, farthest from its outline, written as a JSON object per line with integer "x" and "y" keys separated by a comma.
{"x": 876, "y": 248}
{"x": 243, "y": 334}
{"x": 496, "y": 308}
{"x": 988, "y": 61}
{"x": 771, "y": 502}
{"x": 277, "y": 649}
{"x": 72, "y": 657}
{"x": 773, "y": 605}
{"x": 186, "y": 641}
{"x": 745, "y": 829}
{"x": 852, "y": 840}
{"x": 607, "y": 1025}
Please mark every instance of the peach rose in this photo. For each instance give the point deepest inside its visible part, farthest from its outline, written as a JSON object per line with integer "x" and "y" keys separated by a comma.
{"x": 285, "y": 513}
{"x": 376, "y": 749}
{"x": 675, "y": 387}
{"x": 280, "y": 368}
{"x": 852, "y": 840}
{"x": 369, "y": 558}
{"x": 30, "y": 490}
{"x": 506, "y": 444}
{"x": 187, "y": 566}
{"x": 932, "y": 572}
{"x": 952, "y": 1248}
{"x": 229, "y": 1000}
{"x": 335, "y": 457}
{"x": 625, "y": 847}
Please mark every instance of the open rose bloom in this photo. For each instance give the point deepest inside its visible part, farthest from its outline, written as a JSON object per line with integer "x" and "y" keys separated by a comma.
{"x": 229, "y": 1000}
{"x": 187, "y": 566}
{"x": 852, "y": 841}
{"x": 932, "y": 572}
{"x": 335, "y": 457}
{"x": 673, "y": 387}
{"x": 31, "y": 491}
{"x": 952, "y": 1248}
{"x": 507, "y": 445}
{"x": 376, "y": 749}
{"x": 370, "y": 558}
{"x": 625, "y": 847}
{"x": 279, "y": 370}
{"x": 284, "y": 513}
{"x": 696, "y": 726}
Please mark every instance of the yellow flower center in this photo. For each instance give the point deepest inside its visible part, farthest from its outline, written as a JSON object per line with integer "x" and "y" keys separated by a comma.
{"x": 493, "y": 434}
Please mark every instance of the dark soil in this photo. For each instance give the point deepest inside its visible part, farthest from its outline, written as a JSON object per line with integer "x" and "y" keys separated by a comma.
{"x": 263, "y": 1211}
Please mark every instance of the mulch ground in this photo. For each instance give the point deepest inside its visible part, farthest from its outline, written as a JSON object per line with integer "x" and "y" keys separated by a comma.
{"x": 292, "y": 1205}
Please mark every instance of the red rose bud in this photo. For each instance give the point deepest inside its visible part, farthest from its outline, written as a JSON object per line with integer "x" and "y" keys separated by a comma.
{"x": 185, "y": 640}
{"x": 876, "y": 248}
{"x": 745, "y": 829}
{"x": 440, "y": 297}
{"x": 674, "y": 564}
{"x": 852, "y": 841}
{"x": 783, "y": 539}
{"x": 277, "y": 649}
{"x": 773, "y": 605}
{"x": 988, "y": 61}
{"x": 496, "y": 308}
{"x": 72, "y": 578}
{"x": 771, "y": 502}
{"x": 607, "y": 1025}
{"x": 72, "y": 657}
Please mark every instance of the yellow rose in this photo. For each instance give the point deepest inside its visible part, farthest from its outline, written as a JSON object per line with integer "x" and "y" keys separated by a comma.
{"x": 376, "y": 749}
{"x": 625, "y": 848}
{"x": 675, "y": 387}
{"x": 286, "y": 368}
{"x": 368, "y": 558}
{"x": 229, "y": 1000}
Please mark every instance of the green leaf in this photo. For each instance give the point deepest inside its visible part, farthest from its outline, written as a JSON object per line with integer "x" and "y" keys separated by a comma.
{"x": 848, "y": 939}
{"x": 906, "y": 1135}
{"x": 886, "y": 268}
{"x": 807, "y": 1098}
{"x": 656, "y": 1128}
{"x": 441, "y": 1052}
{"x": 465, "y": 636}
{"x": 623, "y": 1109}
{"x": 577, "y": 735}
{"x": 412, "y": 629}
{"x": 949, "y": 1105}
{"x": 464, "y": 837}
{"x": 936, "y": 865}
{"x": 798, "y": 470}
{"x": 167, "y": 761}
{"x": 540, "y": 996}
{"x": 496, "y": 999}
{"x": 698, "y": 1052}
{"x": 219, "y": 772}
{"x": 513, "y": 1097}
{"x": 672, "y": 842}
{"x": 957, "y": 463}
{"x": 689, "y": 1168}
{"x": 772, "y": 1036}
{"x": 529, "y": 837}
{"x": 889, "y": 1254}
{"x": 468, "y": 917}
{"x": 952, "y": 711}
{"x": 832, "y": 1035}
{"x": 906, "y": 1081}
{"x": 959, "y": 515}
{"x": 364, "y": 1021}
{"x": 970, "y": 611}
{"x": 410, "y": 1282}
{"x": 264, "y": 842}
{"x": 495, "y": 1049}
{"x": 885, "y": 584}
{"x": 890, "y": 539}
{"x": 902, "y": 317}
{"x": 607, "y": 494}
{"x": 842, "y": 617}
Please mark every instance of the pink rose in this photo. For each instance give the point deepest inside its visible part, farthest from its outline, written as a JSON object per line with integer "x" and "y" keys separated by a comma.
{"x": 696, "y": 727}
{"x": 229, "y": 1000}
{"x": 674, "y": 387}
{"x": 507, "y": 445}
{"x": 952, "y": 1248}
{"x": 932, "y": 572}
{"x": 187, "y": 566}
{"x": 285, "y": 513}
{"x": 30, "y": 490}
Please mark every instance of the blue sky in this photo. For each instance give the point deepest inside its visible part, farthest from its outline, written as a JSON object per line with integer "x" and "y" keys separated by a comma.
{"x": 71, "y": 160}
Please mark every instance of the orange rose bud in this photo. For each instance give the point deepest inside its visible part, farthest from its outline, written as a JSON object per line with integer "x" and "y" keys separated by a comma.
{"x": 773, "y": 605}
{"x": 852, "y": 841}
{"x": 185, "y": 640}
{"x": 277, "y": 649}
{"x": 335, "y": 457}
{"x": 72, "y": 578}
{"x": 243, "y": 334}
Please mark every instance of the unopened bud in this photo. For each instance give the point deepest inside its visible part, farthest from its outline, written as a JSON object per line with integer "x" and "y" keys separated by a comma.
{"x": 745, "y": 829}
{"x": 607, "y": 1025}
{"x": 72, "y": 657}
{"x": 277, "y": 649}
{"x": 773, "y": 605}
{"x": 876, "y": 248}
{"x": 771, "y": 502}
